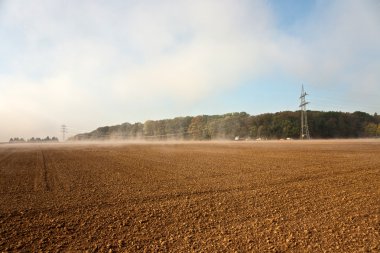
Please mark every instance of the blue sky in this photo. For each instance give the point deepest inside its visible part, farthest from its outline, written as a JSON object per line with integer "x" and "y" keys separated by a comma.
{"x": 93, "y": 63}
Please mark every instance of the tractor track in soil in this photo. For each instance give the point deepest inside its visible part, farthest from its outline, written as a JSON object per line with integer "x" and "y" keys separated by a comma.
{"x": 45, "y": 182}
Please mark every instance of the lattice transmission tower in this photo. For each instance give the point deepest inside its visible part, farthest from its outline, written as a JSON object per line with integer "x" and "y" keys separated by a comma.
{"x": 304, "y": 127}
{"x": 64, "y": 131}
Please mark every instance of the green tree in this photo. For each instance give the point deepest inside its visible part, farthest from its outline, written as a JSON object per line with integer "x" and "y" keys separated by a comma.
{"x": 149, "y": 128}
{"x": 268, "y": 125}
{"x": 197, "y": 128}
{"x": 253, "y": 131}
{"x": 371, "y": 129}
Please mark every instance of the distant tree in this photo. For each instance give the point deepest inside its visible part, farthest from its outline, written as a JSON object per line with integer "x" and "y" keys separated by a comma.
{"x": 181, "y": 126}
{"x": 268, "y": 125}
{"x": 149, "y": 128}
{"x": 377, "y": 118}
{"x": 161, "y": 128}
{"x": 253, "y": 131}
{"x": 263, "y": 132}
{"x": 16, "y": 140}
{"x": 331, "y": 127}
{"x": 137, "y": 129}
{"x": 371, "y": 129}
{"x": 197, "y": 128}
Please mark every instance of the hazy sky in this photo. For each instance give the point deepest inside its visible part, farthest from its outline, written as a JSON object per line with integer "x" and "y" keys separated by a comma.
{"x": 93, "y": 63}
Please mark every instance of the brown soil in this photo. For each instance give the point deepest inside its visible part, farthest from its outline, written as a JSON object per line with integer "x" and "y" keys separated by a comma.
{"x": 209, "y": 197}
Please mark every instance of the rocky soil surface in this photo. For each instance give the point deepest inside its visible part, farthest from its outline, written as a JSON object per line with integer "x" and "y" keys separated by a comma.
{"x": 290, "y": 196}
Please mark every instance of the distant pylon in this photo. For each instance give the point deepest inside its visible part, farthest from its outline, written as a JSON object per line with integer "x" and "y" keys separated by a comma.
{"x": 304, "y": 127}
{"x": 64, "y": 131}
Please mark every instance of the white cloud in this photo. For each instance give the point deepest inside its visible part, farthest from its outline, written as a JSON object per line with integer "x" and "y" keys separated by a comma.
{"x": 340, "y": 42}
{"x": 91, "y": 62}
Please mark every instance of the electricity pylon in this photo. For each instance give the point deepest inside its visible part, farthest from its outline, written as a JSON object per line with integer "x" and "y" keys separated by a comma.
{"x": 64, "y": 131}
{"x": 304, "y": 127}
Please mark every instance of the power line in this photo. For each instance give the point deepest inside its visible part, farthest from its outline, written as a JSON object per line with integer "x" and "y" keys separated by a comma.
{"x": 343, "y": 103}
{"x": 75, "y": 130}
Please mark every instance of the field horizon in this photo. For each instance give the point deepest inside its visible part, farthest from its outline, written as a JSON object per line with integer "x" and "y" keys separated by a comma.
{"x": 179, "y": 141}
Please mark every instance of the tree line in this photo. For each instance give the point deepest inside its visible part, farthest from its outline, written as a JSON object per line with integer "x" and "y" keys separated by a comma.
{"x": 33, "y": 140}
{"x": 228, "y": 126}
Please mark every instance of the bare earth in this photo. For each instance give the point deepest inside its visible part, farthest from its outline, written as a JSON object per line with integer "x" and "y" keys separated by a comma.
{"x": 290, "y": 196}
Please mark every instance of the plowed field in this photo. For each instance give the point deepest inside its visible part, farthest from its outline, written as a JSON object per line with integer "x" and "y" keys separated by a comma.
{"x": 291, "y": 196}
